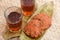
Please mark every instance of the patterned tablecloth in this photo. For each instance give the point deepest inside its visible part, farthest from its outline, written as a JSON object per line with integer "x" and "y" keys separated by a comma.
{"x": 53, "y": 33}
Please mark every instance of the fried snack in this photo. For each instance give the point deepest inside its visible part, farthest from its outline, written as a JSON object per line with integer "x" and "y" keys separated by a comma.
{"x": 32, "y": 29}
{"x": 45, "y": 20}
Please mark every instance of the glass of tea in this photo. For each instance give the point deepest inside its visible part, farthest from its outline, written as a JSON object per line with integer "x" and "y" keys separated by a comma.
{"x": 13, "y": 17}
{"x": 27, "y": 7}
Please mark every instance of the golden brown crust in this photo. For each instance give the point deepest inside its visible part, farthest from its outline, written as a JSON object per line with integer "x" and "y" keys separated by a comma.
{"x": 45, "y": 20}
{"x": 32, "y": 29}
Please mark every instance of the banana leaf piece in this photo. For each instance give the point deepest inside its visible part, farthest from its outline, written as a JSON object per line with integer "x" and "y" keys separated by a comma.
{"x": 48, "y": 9}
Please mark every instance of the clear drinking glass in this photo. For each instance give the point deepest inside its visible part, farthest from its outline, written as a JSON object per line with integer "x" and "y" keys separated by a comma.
{"x": 28, "y": 7}
{"x": 13, "y": 17}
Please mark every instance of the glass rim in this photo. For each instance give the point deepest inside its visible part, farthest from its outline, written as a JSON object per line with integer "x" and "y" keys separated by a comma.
{"x": 12, "y": 11}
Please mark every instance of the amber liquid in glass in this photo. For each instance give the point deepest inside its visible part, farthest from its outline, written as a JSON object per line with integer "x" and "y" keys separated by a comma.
{"x": 28, "y": 7}
{"x": 14, "y": 21}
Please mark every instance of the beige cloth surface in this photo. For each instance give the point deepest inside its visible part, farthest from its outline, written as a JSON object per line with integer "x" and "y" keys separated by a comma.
{"x": 53, "y": 33}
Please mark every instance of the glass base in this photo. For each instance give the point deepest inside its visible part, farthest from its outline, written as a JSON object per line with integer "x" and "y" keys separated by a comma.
{"x": 12, "y": 35}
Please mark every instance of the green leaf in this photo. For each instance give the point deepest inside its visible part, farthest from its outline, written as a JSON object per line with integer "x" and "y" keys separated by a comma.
{"x": 48, "y": 8}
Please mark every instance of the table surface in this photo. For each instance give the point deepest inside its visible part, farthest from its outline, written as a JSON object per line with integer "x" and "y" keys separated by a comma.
{"x": 53, "y": 33}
